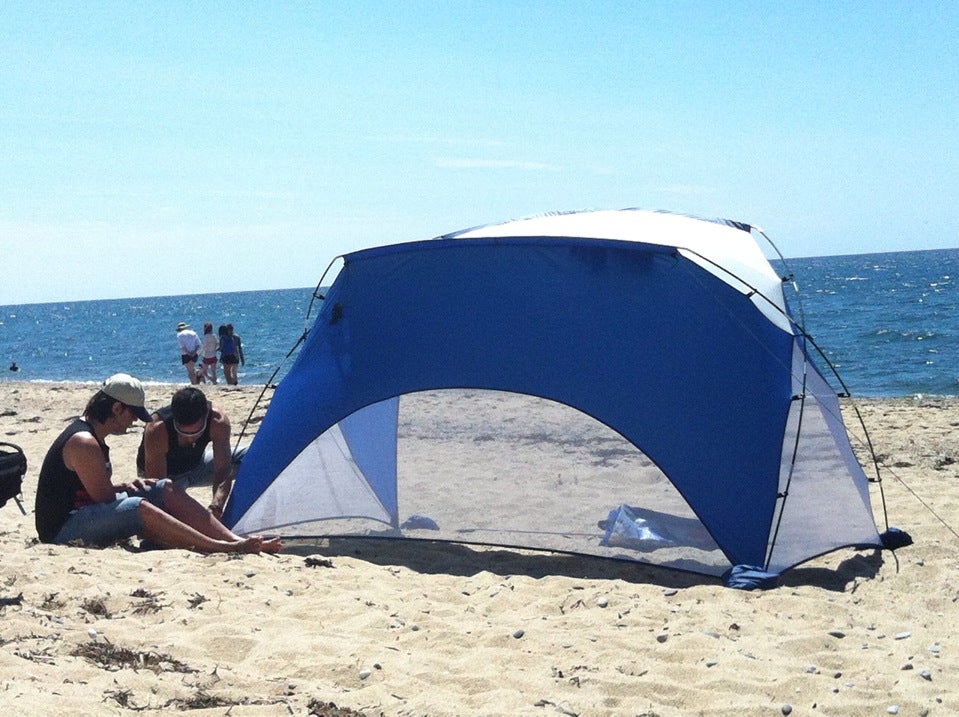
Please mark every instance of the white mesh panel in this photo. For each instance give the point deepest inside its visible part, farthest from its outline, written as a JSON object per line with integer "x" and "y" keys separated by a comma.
{"x": 827, "y": 505}
{"x": 322, "y": 482}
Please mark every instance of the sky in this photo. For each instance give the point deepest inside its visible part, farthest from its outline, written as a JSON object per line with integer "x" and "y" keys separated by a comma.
{"x": 166, "y": 148}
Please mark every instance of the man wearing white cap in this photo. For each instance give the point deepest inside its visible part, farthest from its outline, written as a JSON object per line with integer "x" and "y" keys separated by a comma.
{"x": 78, "y": 501}
{"x": 190, "y": 346}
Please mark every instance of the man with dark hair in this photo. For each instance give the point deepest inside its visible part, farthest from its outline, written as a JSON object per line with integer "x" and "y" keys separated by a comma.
{"x": 77, "y": 499}
{"x": 189, "y": 442}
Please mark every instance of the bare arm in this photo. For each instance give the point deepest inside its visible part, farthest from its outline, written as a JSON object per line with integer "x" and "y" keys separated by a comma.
{"x": 83, "y": 455}
{"x": 155, "y": 447}
{"x": 222, "y": 460}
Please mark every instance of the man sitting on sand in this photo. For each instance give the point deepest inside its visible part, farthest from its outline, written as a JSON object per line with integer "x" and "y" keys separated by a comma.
{"x": 77, "y": 499}
{"x": 189, "y": 442}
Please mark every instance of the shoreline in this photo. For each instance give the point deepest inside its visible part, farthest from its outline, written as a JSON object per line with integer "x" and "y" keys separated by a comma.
{"x": 15, "y": 381}
{"x": 415, "y": 628}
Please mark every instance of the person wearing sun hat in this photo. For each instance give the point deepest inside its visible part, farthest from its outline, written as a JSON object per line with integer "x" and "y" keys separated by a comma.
{"x": 190, "y": 346}
{"x": 129, "y": 391}
{"x": 77, "y": 499}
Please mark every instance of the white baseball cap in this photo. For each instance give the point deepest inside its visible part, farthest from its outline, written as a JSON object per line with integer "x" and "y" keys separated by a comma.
{"x": 129, "y": 391}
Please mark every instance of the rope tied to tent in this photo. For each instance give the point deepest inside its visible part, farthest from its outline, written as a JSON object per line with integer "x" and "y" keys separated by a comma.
{"x": 923, "y": 502}
{"x": 892, "y": 537}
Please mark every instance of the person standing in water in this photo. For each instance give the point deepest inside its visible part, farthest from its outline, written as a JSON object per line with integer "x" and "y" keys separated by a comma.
{"x": 190, "y": 345}
{"x": 231, "y": 353}
{"x": 210, "y": 345}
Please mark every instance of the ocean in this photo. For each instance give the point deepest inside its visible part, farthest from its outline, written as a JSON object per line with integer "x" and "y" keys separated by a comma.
{"x": 887, "y": 322}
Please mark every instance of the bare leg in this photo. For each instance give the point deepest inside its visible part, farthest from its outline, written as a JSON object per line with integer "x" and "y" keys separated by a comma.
{"x": 182, "y": 508}
{"x": 163, "y": 528}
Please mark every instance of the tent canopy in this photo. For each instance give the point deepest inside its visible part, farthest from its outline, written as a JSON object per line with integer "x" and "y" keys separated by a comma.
{"x": 671, "y": 332}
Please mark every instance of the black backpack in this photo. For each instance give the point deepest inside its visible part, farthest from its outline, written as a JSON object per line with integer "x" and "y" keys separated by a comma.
{"x": 13, "y": 466}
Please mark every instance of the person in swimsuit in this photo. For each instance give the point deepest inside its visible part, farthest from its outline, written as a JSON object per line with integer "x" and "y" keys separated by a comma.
{"x": 231, "y": 353}
{"x": 77, "y": 499}
{"x": 189, "y": 442}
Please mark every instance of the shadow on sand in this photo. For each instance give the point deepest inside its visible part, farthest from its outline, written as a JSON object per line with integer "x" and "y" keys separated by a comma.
{"x": 864, "y": 565}
{"x": 438, "y": 558}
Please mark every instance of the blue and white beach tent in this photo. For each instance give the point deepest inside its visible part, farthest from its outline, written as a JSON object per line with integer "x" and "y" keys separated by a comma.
{"x": 671, "y": 333}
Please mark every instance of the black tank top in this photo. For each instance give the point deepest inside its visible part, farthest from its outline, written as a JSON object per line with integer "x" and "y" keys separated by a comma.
{"x": 59, "y": 489}
{"x": 179, "y": 459}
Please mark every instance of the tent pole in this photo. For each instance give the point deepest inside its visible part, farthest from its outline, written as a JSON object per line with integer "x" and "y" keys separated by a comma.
{"x": 781, "y": 497}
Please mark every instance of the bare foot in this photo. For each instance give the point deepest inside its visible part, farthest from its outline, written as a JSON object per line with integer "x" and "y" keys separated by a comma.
{"x": 256, "y": 544}
{"x": 270, "y": 545}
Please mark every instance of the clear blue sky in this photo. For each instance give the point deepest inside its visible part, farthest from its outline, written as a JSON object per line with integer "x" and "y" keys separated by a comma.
{"x": 153, "y": 148}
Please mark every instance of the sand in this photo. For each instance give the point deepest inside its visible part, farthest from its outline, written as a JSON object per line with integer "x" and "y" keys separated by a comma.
{"x": 347, "y": 627}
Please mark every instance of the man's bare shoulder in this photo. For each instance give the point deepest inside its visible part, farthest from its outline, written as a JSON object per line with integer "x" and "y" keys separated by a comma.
{"x": 79, "y": 445}
{"x": 82, "y": 438}
{"x": 218, "y": 417}
{"x": 154, "y": 426}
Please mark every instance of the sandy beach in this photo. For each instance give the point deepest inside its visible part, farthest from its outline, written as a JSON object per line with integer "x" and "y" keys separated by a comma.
{"x": 380, "y": 628}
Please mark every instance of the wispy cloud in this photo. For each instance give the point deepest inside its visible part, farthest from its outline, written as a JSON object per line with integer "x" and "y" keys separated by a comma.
{"x": 467, "y": 163}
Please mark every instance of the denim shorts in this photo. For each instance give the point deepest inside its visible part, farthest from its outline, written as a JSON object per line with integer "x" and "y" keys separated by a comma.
{"x": 103, "y": 524}
{"x": 202, "y": 473}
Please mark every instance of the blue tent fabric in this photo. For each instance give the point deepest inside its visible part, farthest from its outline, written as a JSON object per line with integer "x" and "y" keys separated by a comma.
{"x": 659, "y": 346}
{"x": 372, "y": 437}
{"x": 750, "y": 577}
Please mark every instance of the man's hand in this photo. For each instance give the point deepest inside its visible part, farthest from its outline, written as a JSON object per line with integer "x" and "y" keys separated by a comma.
{"x": 138, "y": 486}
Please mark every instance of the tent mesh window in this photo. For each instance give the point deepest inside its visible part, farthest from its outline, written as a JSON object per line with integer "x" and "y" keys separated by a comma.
{"x": 498, "y": 468}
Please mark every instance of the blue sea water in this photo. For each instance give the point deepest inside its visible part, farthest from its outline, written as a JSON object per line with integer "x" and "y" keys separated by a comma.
{"x": 89, "y": 340}
{"x": 887, "y": 322}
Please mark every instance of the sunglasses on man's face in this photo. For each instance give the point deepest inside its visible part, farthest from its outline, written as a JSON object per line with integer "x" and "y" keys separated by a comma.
{"x": 192, "y": 434}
